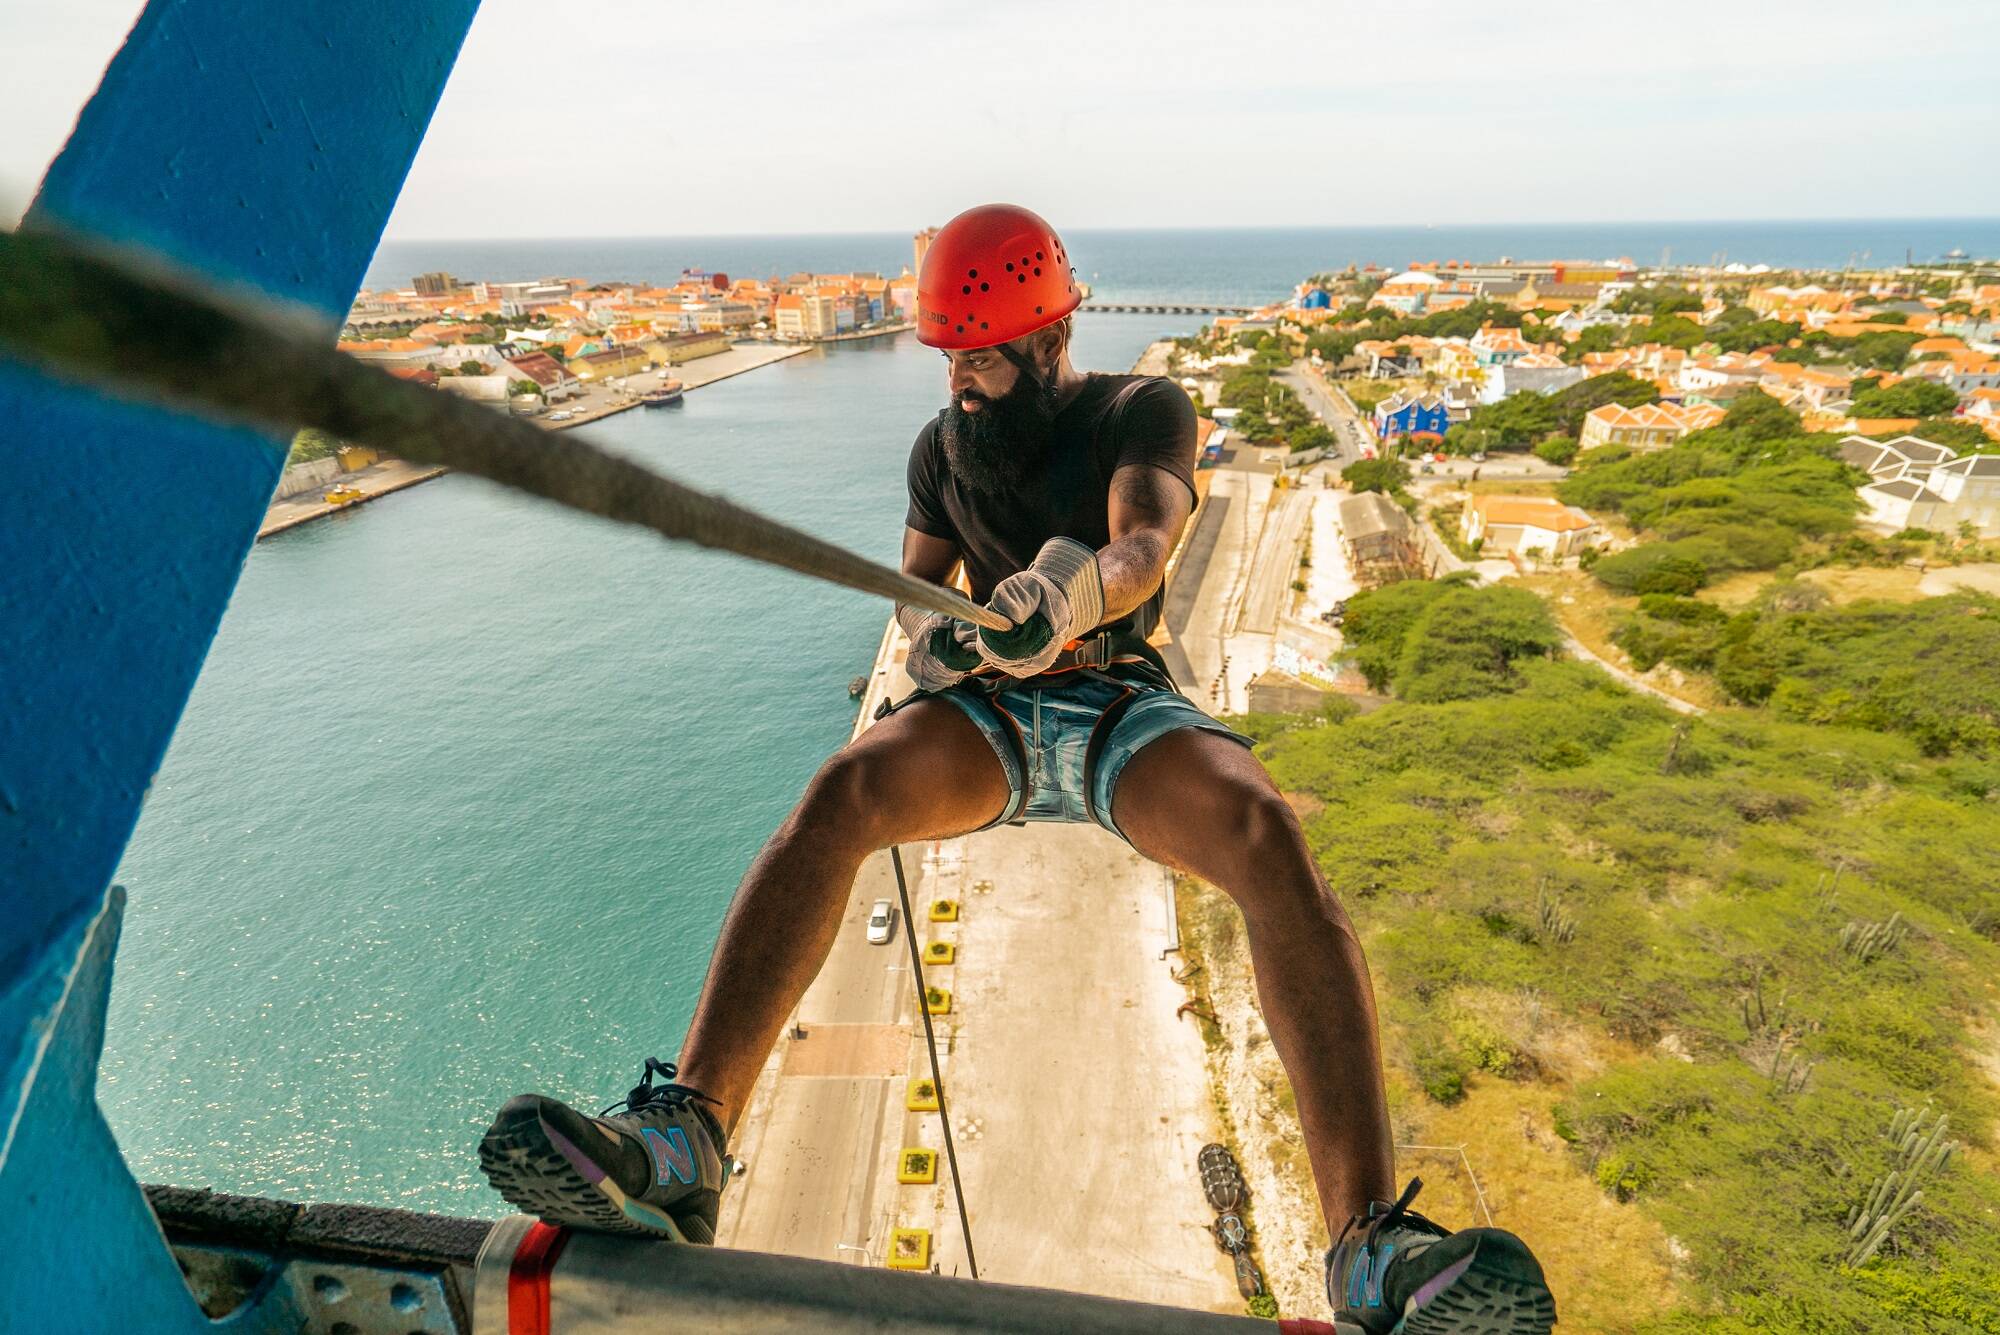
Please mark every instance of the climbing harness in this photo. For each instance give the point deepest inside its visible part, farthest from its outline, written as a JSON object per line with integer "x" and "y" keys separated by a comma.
{"x": 135, "y": 328}
{"x": 930, "y": 1043}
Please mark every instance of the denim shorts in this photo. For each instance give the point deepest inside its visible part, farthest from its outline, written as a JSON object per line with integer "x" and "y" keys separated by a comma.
{"x": 1063, "y": 738}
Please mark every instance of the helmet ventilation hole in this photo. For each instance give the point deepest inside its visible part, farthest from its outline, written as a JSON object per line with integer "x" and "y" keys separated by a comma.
{"x": 983, "y": 286}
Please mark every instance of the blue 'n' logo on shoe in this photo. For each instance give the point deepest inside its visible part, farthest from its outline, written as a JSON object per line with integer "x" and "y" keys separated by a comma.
{"x": 1364, "y": 1281}
{"x": 671, "y": 1154}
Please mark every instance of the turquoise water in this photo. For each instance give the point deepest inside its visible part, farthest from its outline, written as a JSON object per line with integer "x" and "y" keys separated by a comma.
{"x": 467, "y": 781}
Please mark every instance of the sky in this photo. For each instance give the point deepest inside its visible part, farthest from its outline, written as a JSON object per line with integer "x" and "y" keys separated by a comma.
{"x": 773, "y": 116}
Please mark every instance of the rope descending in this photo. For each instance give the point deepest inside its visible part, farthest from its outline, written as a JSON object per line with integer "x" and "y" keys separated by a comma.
{"x": 137, "y": 329}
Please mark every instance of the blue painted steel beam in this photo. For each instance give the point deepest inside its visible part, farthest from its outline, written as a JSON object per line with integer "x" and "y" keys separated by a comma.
{"x": 261, "y": 146}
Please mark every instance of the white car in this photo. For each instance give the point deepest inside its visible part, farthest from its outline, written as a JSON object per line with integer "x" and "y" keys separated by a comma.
{"x": 881, "y": 921}
{"x": 562, "y": 416}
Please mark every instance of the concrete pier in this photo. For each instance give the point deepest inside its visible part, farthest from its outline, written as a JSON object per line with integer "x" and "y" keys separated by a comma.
{"x": 597, "y": 401}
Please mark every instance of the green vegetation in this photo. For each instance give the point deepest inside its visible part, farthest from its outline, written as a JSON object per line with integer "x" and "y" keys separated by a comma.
{"x": 1522, "y": 419}
{"x": 1335, "y": 344}
{"x": 1961, "y": 435}
{"x": 1270, "y": 413}
{"x": 1883, "y": 349}
{"x": 1656, "y": 300}
{"x": 1433, "y": 640}
{"x": 311, "y": 443}
{"x": 1928, "y": 669}
{"x": 1384, "y": 475}
{"x": 1742, "y": 495}
{"x": 1906, "y": 398}
{"x": 1570, "y": 868}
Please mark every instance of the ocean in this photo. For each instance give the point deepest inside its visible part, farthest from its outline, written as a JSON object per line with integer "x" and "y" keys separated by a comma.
{"x": 466, "y": 783}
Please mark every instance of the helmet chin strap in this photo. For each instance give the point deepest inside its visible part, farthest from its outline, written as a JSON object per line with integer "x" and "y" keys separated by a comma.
{"x": 1024, "y": 365}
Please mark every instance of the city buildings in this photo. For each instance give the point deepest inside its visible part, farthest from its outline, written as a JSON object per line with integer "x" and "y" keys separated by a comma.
{"x": 1650, "y": 426}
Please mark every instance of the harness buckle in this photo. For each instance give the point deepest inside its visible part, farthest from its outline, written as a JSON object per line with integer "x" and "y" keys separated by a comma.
{"x": 1094, "y": 652}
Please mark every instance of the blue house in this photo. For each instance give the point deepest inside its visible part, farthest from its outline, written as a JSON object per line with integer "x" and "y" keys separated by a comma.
{"x": 1315, "y": 300}
{"x": 1412, "y": 413}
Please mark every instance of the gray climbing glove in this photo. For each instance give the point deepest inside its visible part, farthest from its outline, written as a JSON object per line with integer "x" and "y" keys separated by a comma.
{"x": 941, "y": 649}
{"x": 1057, "y": 599}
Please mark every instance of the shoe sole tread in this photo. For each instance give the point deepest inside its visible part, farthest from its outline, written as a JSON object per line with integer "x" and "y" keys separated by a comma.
{"x": 1484, "y": 1304}
{"x": 536, "y": 1178}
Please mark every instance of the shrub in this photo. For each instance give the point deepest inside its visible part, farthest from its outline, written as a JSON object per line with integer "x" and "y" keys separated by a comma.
{"x": 1671, "y": 574}
{"x": 1558, "y": 450}
{"x": 1386, "y": 475}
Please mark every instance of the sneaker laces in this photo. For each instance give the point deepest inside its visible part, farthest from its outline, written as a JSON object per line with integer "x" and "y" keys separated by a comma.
{"x": 1402, "y": 1215}
{"x": 646, "y": 1095}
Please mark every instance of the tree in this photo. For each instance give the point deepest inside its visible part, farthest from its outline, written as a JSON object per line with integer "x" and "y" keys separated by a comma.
{"x": 1957, "y": 432}
{"x": 311, "y": 443}
{"x": 1447, "y": 639}
{"x": 1675, "y": 331}
{"x": 1907, "y": 398}
{"x": 524, "y": 387}
{"x": 1755, "y": 415}
{"x": 1573, "y": 404}
{"x": 1754, "y": 334}
{"x": 1885, "y": 349}
{"x": 1244, "y": 388}
{"x": 1558, "y": 450}
{"x": 1384, "y": 475}
{"x": 1312, "y": 436}
{"x": 1595, "y": 338}
{"x": 1255, "y": 427}
{"x": 1655, "y": 299}
{"x": 470, "y": 367}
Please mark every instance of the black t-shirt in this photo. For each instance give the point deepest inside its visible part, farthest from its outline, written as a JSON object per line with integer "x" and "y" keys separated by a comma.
{"x": 1096, "y": 434}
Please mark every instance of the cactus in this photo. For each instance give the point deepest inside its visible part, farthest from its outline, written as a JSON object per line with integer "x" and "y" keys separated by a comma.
{"x": 1788, "y": 1069}
{"x": 1871, "y": 940}
{"x": 1921, "y": 1152}
{"x": 1552, "y": 924}
{"x": 1757, "y": 1017}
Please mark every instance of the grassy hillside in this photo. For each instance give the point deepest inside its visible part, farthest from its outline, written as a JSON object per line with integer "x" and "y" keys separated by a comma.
{"x": 1617, "y": 950}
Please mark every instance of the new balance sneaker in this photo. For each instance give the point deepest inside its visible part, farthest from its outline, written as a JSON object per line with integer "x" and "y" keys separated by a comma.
{"x": 1394, "y": 1272}
{"x": 657, "y": 1168}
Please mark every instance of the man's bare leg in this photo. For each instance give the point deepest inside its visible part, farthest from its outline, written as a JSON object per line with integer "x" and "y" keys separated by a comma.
{"x": 1203, "y": 804}
{"x": 925, "y": 772}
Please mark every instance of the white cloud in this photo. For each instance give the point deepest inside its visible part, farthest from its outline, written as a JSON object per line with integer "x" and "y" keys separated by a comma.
{"x": 619, "y": 117}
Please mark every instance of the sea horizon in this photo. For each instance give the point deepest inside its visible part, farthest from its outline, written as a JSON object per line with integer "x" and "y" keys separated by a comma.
{"x": 1239, "y": 265}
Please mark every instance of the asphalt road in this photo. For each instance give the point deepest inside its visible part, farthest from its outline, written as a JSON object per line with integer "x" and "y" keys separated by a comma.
{"x": 1348, "y": 430}
{"x": 1079, "y": 1096}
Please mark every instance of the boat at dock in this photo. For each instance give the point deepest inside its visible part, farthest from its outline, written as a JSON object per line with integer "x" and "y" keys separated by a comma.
{"x": 666, "y": 394}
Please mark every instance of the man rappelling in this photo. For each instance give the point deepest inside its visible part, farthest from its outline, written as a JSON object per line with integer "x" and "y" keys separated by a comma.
{"x": 1062, "y": 493}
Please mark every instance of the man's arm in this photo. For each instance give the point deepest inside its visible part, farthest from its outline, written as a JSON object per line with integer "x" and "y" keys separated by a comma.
{"x": 928, "y": 558}
{"x": 1148, "y": 507}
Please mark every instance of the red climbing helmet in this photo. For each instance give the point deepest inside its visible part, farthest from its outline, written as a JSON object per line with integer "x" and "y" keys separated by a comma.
{"x": 993, "y": 274}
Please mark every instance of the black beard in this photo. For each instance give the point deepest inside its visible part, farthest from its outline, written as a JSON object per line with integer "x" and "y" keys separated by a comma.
{"x": 1003, "y": 450}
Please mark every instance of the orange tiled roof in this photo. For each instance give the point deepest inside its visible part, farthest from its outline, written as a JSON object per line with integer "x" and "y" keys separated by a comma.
{"x": 1537, "y": 511}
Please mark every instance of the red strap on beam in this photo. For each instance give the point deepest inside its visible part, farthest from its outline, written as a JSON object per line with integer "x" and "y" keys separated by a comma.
{"x": 528, "y": 1279}
{"x": 1298, "y": 1325}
